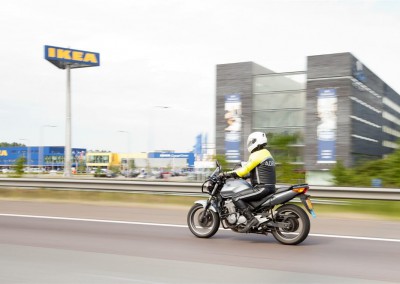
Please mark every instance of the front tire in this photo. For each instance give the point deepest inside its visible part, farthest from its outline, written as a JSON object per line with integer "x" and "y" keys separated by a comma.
{"x": 296, "y": 225}
{"x": 202, "y": 227}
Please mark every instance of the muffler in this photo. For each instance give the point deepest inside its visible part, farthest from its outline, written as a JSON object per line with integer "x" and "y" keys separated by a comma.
{"x": 279, "y": 198}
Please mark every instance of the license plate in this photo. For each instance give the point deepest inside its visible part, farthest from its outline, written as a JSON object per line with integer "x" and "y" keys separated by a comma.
{"x": 309, "y": 204}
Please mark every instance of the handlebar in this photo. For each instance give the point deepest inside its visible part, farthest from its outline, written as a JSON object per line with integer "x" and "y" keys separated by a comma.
{"x": 213, "y": 179}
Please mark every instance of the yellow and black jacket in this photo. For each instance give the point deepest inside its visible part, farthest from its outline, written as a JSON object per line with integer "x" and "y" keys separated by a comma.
{"x": 261, "y": 166}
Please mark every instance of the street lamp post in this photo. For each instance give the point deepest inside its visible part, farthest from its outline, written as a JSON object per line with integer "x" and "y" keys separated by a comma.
{"x": 128, "y": 146}
{"x": 128, "y": 139}
{"x": 151, "y": 126}
{"x": 41, "y": 153}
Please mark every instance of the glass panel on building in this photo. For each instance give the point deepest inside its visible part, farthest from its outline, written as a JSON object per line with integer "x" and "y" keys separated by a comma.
{"x": 279, "y": 100}
{"x": 279, "y": 82}
{"x": 278, "y": 118}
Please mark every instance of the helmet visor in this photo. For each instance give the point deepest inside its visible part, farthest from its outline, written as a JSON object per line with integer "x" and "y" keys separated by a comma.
{"x": 251, "y": 142}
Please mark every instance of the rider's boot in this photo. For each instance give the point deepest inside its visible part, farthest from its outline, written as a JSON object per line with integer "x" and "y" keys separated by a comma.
{"x": 251, "y": 221}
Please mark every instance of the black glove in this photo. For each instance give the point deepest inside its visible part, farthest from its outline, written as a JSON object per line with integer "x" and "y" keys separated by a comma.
{"x": 227, "y": 175}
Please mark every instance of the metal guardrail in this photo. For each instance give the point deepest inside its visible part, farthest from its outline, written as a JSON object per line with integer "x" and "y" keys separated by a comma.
{"x": 184, "y": 188}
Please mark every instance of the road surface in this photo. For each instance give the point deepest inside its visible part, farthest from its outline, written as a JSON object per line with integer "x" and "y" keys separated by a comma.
{"x": 44, "y": 242}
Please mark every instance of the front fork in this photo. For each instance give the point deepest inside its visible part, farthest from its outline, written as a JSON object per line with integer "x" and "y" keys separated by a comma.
{"x": 305, "y": 199}
{"x": 207, "y": 205}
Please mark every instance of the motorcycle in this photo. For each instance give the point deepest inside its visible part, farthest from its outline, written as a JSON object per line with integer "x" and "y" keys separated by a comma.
{"x": 289, "y": 223}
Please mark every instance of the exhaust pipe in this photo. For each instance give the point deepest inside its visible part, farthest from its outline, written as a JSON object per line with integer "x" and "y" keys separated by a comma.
{"x": 279, "y": 198}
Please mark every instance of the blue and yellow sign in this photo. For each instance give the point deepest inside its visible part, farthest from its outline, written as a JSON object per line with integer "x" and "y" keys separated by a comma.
{"x": 63, "y": 57}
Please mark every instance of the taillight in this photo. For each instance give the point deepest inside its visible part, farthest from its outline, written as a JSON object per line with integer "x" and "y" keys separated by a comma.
{"x": 302, "y": 189}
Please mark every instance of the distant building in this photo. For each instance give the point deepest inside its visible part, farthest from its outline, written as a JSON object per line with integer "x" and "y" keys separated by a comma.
{"x": 140, "y": 160}
{"x": 171, "y": 160}
{"x": 102, "y": 160}
{"x": 43, "y": 157}
{"x": 341, "y": 110}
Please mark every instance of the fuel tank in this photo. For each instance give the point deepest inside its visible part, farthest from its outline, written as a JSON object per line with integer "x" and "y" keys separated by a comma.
{"x": 234, "y": 186}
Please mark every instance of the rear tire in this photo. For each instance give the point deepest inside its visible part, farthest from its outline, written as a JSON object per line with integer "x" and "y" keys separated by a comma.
{"x": 297, "y": 225}
{"x": 202, "y": 228}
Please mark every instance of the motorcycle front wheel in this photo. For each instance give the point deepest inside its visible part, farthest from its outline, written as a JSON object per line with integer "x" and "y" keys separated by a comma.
{"x": 203, "y": 224}
{"x": 294, "y": 225}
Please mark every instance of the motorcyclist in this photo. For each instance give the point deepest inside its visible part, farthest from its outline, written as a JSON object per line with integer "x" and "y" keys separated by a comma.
{"x": 261, "y": 166}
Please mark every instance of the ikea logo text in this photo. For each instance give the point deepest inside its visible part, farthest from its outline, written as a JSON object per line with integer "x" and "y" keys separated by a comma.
{"x": 75, "y": 55}
{"x": 62, "y": 57}
{"x": 3, "y": 153}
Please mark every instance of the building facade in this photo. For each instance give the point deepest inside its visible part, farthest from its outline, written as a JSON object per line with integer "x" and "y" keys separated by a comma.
{"x": 102, "y": 160}
{"x": 359, "y": 108}
{"x": 338, "y": 107}
{"x": 251, "y": 98}
{"x": 41, "y": 157}
{"x": 173, "y": 160}
{"x": 53, "y": 158}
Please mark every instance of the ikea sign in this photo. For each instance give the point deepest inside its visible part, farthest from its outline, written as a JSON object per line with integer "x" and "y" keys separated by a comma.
{"x": 63, "y": 57}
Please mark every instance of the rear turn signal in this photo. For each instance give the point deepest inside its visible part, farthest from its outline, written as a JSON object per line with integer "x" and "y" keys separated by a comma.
{"x": 300, "y": 189}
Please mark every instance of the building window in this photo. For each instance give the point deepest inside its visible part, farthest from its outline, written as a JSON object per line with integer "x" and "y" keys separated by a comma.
{"x": 279, "y": 100}
{"x": 279, "y": 82}
{"x": 389, "y": 144}
{"x": 51, "y": 159}
{"x": 99, "y": 159}
{"x": 279, "y": 118}
{"x": 391, "y": 131}
{"x": 391, "y": 117}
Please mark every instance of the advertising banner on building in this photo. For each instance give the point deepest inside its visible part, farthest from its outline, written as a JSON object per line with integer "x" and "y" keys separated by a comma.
{"x": 327, "y": 125}
{"x": 189, "y": 157}
{"x": 233, "y": 127}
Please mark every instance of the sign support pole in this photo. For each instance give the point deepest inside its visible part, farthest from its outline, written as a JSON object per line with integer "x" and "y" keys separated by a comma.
{"x": 67, "y": 154}
{"x": 65, "y": 58}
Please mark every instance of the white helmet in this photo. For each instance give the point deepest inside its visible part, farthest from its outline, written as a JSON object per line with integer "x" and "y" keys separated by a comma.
{"x": 256, "y": 139}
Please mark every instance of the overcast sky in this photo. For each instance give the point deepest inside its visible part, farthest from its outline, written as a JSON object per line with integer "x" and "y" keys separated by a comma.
{"x": 164, "y": 53}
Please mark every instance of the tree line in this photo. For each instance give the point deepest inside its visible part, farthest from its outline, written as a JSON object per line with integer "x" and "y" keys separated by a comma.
{"x": 387, "y": 170}
{"x": 13, "y": 144}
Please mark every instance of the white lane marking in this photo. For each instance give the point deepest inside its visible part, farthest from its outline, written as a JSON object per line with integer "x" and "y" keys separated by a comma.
{"x": 355, "y": 238}
{"x": 93, "y": 220}
{"x": 182, "y": 226}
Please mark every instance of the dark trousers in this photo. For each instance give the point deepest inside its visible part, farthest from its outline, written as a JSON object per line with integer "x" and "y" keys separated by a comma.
{"x": 256, "y": 193}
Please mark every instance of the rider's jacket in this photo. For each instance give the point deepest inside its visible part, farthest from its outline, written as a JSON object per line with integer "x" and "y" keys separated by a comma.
{"x": 261, "y": 166}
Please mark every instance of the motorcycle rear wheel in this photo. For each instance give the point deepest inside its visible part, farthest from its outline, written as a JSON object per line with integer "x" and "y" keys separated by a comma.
{"x": 202, "y": 228}
{"x": 296, "y": 225}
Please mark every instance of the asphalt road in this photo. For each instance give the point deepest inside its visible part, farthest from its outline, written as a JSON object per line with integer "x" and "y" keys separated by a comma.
{"x": 84, "y": 243}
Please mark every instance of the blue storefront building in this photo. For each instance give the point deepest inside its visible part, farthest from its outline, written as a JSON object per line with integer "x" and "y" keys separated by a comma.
{"x": 46, "y": 157}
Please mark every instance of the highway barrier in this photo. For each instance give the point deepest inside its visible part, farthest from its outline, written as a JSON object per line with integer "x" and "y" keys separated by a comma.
{"x": 183, "y": 188}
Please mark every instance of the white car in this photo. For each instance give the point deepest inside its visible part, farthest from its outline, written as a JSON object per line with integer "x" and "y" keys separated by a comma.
{"x": 37, "y": 170}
